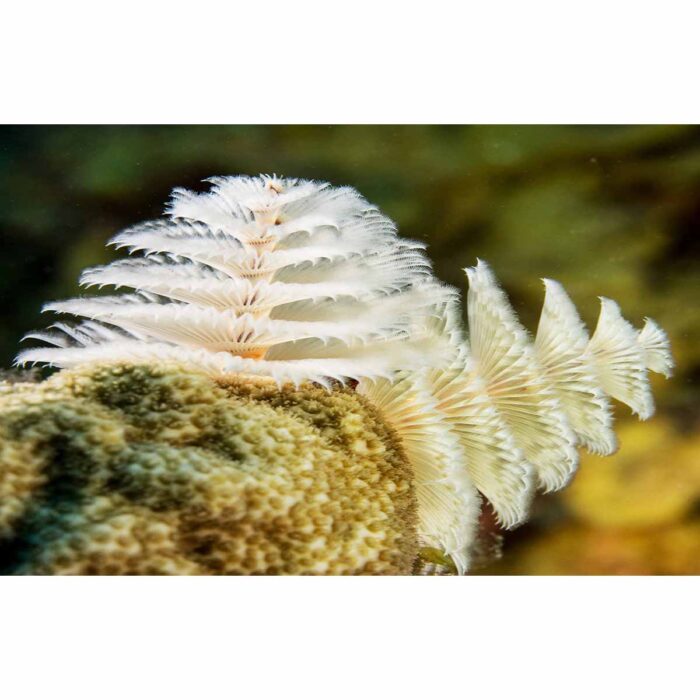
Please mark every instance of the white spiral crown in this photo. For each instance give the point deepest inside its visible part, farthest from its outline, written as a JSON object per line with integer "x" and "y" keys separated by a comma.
{"x": 299, "y": 281}
{"x": 508, "y": 416}
{"x": 290, "y": 279}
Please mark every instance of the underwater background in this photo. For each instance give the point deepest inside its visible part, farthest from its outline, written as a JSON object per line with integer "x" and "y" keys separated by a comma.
{"x": 606, "y": 210}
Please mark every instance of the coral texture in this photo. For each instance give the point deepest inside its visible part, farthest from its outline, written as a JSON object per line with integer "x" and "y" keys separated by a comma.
{"x": 297, "y": 281}
{"x": 154, "y": 470}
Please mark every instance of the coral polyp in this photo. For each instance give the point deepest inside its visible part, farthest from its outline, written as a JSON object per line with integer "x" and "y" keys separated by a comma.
{"x": 303, "y": 287}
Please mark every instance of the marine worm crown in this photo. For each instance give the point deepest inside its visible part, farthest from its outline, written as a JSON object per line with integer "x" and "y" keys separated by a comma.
{"x": 507, "y": 418}
{"x": 288, "y": 279}
{"x": 299, "y": 281}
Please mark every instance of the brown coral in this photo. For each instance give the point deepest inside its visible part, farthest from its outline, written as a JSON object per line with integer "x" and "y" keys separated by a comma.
{"x": 144, "y": 470}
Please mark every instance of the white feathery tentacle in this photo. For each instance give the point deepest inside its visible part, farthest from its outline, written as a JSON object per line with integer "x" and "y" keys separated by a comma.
{"x": 656, "y": 348}
{"x": 560, "y": 346}
{"x": 506, "y": 362}
{"x": 448, "y": 502}
{"x": 495, "y": 464}
{"x": 620, "y": 361}
{"x": 345, "y": 364}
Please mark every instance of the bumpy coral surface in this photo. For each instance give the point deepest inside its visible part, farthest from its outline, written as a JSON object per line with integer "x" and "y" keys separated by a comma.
{"x": 144, "y": 470}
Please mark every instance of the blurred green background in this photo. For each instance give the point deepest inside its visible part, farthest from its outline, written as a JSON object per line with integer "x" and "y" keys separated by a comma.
{"x": 606, "y": 210}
